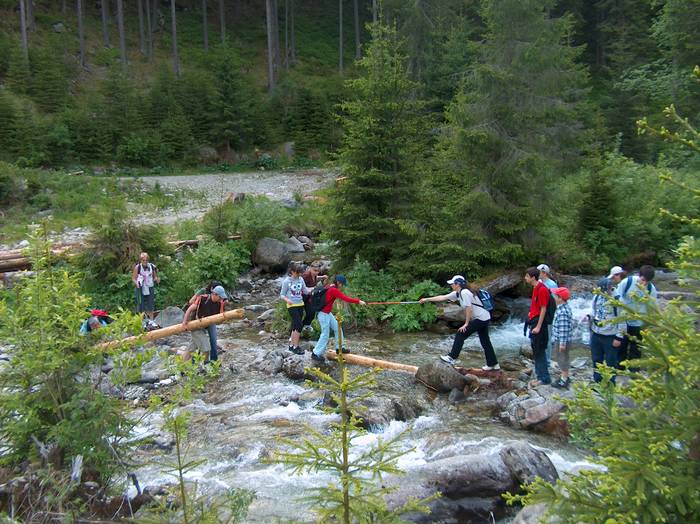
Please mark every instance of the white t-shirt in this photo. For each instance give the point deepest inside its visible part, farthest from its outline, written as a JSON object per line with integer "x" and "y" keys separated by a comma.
{"x": 466, "y": 299}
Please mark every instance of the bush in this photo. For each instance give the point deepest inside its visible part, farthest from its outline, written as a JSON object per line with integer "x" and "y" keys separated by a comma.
{"x": 253, "y": 218}
{"x": 413, "y": 317}
{"x": 139, "y": 148}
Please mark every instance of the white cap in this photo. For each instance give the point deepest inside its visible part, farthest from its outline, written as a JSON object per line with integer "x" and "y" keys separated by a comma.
{"x": 544, "y": 267}
{"x": 615, "y": 270}
{"x": 457, "y": 279}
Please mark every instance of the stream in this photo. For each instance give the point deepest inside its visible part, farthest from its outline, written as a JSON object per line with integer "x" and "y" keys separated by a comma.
{"x": 238, "y": 420}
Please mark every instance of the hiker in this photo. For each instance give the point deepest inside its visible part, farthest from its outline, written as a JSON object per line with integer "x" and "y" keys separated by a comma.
{"x": 98, "y": 318}
{"x": 562, "y": 331}
{"x": 546, "y": 276}
{"x": 477, "y": 319}
{"x": 311, "y": 276}
{"x": 292, "y": 292}
{"x": 635, "y": 292}
{"x": 606, "y": 332}
{"x": 609, "y": 283}
{"x": 539, "y": 329}
{"x": 326, "y": 319}
{"x": 145, "y": 277}
{"x": 205, "y": 305}
{"x": 211, "y": 329}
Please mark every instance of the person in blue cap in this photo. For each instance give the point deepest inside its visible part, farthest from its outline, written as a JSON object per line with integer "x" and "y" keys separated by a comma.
{"x": 205, "y": 305}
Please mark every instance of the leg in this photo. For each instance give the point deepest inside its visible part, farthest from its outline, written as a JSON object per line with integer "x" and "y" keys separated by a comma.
{"x": 324, "y": 320}
{"x": 213, "y": 353}
{"x": 138, "y": 296}
{"x": 597, "y": 346}
{"x": 337, "y": 335}
{"x": 539, "y": 349}
{"x": 548, "y": 351}
{"x": 610, "y": 355}
{"x": 634, "y": 333}
{"x": 485, "y": 340}
{"x": 460, "y": 338}
{"x": 296, "y": 315}
{"x": 309, "y": 313}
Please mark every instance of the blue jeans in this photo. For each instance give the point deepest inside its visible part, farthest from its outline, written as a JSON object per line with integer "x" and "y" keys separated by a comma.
{"x": 602, "y": 350}
{"x": 539, "y": 350}
{"x": 213, "y": 355}
{"x": 327, "y": 322}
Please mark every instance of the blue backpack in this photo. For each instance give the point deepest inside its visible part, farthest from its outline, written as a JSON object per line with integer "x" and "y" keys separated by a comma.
{"x": 486, "y": 300}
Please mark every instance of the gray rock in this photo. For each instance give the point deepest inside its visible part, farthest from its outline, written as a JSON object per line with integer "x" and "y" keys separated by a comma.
{"x": 254, "y": 308}
{"x": 272, "y": 254}
{"x": 456, "y": 395}
{"x": 527, "y": 463}
{"x": 526, "y": 351}
{"x": 451, "y": 313}
{"x": 293, "y": 366}
{"x": 534, "y": 514}
{"x": 266, "y": 315}
{"x": 207, "y": 155}
{"x": 511, "y": 363}
{"x": 579, "y": 363}
{"x": 58, "y": 27}
{"x": 288, "y": 149}
{"x": 506, "y": 399}
{"x": 170, "y": 316}
{"x": 540, "y": 413}
{"x": 304, "y": 239}
{"x": 295, "y": 246}
{"x": 440, "y": 376}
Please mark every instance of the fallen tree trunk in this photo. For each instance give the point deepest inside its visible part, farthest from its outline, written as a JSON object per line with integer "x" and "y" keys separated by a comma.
{"x": 177, "y": 328}
{"x": 373, "y": 362}
{"x": 500, "y": 283}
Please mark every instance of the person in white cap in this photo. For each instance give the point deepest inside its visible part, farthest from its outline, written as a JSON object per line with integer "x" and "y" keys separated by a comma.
{"x": 546, "y": 277}
{"x": 607, "y": 284}
{"x": 204, "y": 306}
{"x": 477, "y": 319}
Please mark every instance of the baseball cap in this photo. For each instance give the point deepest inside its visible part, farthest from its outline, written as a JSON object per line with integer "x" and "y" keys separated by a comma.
{"x": 457, "y": 279}
{"x": 562, "y": 292}
{"x": 341, "y": 279}
{"x": 219, "y": 290}
{"x": 615, "y": 270}
{"x": 544, "y": 267}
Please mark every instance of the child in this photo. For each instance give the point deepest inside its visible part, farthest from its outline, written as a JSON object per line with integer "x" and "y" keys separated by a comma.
{"x": 293, "y": 291}
{"x": 562, "y": 329}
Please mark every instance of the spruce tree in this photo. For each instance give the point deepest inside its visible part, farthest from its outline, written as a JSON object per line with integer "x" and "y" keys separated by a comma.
{"x": 8, "y": 114}
{"x": 511, "y": 128}
{"x": 384, "y": 133}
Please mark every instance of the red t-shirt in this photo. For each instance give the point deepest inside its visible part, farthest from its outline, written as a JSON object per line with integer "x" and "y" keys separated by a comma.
{"x": 333, "y": 293}
{"x": 540, "y": 299}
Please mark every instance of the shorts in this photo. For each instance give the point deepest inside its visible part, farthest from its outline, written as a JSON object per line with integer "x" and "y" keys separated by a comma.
{"x": 145, "y": 302}
{"x": 561, "y": 357}
{"x": 200, "y": 341}
{"x": 296, "y": 314}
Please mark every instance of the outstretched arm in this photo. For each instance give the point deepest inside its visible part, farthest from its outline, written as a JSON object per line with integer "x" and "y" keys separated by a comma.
{"x": 437, "y": 298}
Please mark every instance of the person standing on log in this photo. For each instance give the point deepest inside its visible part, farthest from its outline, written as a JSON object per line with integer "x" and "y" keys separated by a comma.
{"x": 311, "y": 277}
{"x": 145, "y": 277}
{"x": 476, "y": 320}
{"x": 539, "y": 329}
{"x": 292, "y": 292}
{"x": 205, "y": 305}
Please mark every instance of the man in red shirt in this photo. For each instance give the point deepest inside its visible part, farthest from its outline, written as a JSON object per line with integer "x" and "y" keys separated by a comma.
{"x": 326, "y": 319}
{"x": 539, "y": 330}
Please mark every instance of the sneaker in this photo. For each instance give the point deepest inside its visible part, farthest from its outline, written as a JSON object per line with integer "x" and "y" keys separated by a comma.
{"x": 315, "y": 357}
{"x": 448, "y": 359}
{"x": 297, "y": 350}
{"x": 562, "y": 384}
{"x": 491, "y": 368}
{"x": 346, "y": 351}
{"x": 290, "y": 348}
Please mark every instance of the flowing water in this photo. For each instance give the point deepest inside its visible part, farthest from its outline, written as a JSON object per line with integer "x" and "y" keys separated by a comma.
{"x": 242, "y": 415}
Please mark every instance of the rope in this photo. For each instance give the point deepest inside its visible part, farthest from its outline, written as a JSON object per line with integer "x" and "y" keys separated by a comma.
{"x": 384, "y": 303}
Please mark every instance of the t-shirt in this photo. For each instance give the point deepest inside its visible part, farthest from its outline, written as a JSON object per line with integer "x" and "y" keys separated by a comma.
{"x": 294, "y": 289}
{"x": 551, "y": 284}
{"x": 633, "y": 295}
{"x": 206, "y": 307}
{"x": 310, "y": 280}
{"x": 467, "y": 299}
{"x": 540, "y": 299}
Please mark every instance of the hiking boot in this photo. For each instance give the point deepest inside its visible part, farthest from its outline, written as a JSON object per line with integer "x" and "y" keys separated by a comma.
{"x": 290, "y": 349}
{"x": 562, "y": 384}
{"x": 317, "y": 358}
{"x": 297, "y": 350}
{"x": 448, "y": 359}
{"x": 491, "y": 368}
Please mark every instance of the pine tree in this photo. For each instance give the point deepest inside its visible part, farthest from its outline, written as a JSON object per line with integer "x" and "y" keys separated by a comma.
{"x": 49, "y": 80}
{"x": 8, "y": 114}
{"x": 308, "y": 122}
{"x": 383, "y": 134}
{"x": 176, "y": 136}
{"x": 513, "y": 123}
{"x": 18, "y": 73}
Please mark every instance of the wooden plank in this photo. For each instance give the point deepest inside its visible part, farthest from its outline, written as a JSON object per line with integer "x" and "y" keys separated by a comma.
{"x": 373, "y": 362}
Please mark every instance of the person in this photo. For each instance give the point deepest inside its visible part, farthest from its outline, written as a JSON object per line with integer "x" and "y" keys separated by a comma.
{"x": 93, "y": 323}
{"x": 205, "y": 305}
{"x": 635, "y": 292}
{"x": 326, "y": 319}
{"x": 539, "y": 330}
{"x": 562, "y": 334}
{"x": 145, "y": 277}
{"x": 211, "y": 329}
{"x": 546, "y": 276}
{"x": 311, "y": 276}
{"x": 476, "y": 320}
{"x": 609, "y": 283}
{"x": 606, "y": 332}
{"x": 292, "y": 292}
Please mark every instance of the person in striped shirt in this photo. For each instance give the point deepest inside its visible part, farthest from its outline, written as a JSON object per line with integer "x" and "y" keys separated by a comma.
{"x": 562, "y": 334}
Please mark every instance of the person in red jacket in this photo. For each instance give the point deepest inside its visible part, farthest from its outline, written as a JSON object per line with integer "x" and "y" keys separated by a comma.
{"x": 326, "y": 319}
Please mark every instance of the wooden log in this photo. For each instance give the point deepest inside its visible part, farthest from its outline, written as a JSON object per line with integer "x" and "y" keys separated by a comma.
{"x": 177, "y": 328}
{"x": 373, "y": 362}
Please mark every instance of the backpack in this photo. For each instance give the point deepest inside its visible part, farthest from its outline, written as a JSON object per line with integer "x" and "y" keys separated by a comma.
{"x": 628, "y": 285}
{"x": 486, "y": 300}
{"x": 551, "y": 308}
{"x": 318, "y": 299}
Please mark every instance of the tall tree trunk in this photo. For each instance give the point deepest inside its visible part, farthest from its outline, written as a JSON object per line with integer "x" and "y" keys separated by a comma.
{"x": 154, "y": 15}
{"x": 286, "y": 34}
{"x": 64, "y": 8}
{"x": 222, "y": 21}
{"x": 276, "y": 36}
{"x": 270, "y": 46}
{"x": 23, "y": 28}
{"x": 104, "y": 8}
{"x": 173, "y": 20}
{"x": 340, "y": 36}
{"x": 205, "y": 25}
{"x": 358, "y": 47}
{"x": 142, "y": 36}
{"x": 293, "y": 40}
{"x": 31, "y": 19}
{"x": 375, "y": 15}
{"x": 81, "y": 33}
{"x": 122, "y": 34}
{"x": 149, "y": 32}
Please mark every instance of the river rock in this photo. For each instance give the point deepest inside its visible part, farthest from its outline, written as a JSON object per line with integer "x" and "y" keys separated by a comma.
{"x": 266, "y": 315}
{"x": 294, "y": 245}
{"x": 539, "y": 410}
{"x": 207, "y": 155}
{"x": 170, "y": 316}
{"x": 272, "y": 254}
{"x": 293, "y": 366}
{"x": 511, "y": 363}
{"x": 255, "y": 308}
{"x": 451, "y": 313}
{"x": 440, "y": 376}
{"x": 380, "y": 411}
{"x": 527, "y": 463}
{"x": 534, "y": 514}
{"x": 457, "y": 395}
{"x": 526, "y": 351}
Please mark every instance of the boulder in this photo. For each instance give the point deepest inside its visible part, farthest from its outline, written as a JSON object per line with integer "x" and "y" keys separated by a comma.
{"x": 501, "y": 283}
{"x": 170, "y": 316}
{"x": 207, "y": 155}
{"x": 526, "y": 351}
{"x": 295, "y": 246}
{"x": 440, "y": 376}
{"x": 511, "y": 363}
{"x": 380, "y": 411}
{"x": 271, "y": 363}
{"x": 58, "y": 27}
{"x": 534, "y": 514}
{"x": 451, "y": 313}
{"x": 293, "y": 366}
{"x": 272, "y": 254}
{"x": 266, "y": 315}
{"x": 527, "y": 463}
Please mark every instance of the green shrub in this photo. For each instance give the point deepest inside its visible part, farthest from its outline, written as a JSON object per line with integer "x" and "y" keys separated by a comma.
{"x": 140, "y": 148}
{"x": 253, "y": 218}
{"x": 413, "y": 317}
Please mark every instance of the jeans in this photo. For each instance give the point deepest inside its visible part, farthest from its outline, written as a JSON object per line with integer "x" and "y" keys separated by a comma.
{"x": 548, "y": 351}
{"x": 213, "y": 354}
{"x": 630, "y": 349}
{"x": 327, "y": 322}
{"x": 602, "y": 350}
{"x": 539, "y": 343}
{"x": 481, "y": 328}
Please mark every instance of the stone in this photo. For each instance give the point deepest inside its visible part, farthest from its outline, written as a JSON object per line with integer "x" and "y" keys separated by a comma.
{"x": 58, "y": 27}
{"x": 440, "y": 376}
{"x": 579, "y": 363}
{"x": 506, "y": 399}
{"x": 456, "y": 396}
{"x": 295, "y": 246}
{"x": 526, "y": 351}
{"x": 266, "y": 315}
{"x": 472, "y": 381}
{"x": 451, "y": 313}
{"x": 534, "y": 514}
{"x": 288, "y": 149}
{"x": 207, "y": 155}
{"x": 293, "y": 366}
{"x": 170, "y": 316}
{"x": 272, "y": 254}
{"x": 511, "y": 363}
{"x": 255, "y": 308}
{"x": 304, "y": 239}
{"x": 527, "y": 463}
{"x": 537, "y": 414}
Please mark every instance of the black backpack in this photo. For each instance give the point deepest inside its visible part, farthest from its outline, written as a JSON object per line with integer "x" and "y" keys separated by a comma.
{"x": 551, "y": 308}
{"x": 318, "y": 299}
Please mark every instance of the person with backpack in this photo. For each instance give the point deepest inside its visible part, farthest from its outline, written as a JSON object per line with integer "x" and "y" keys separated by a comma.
{"x": 477, "y": 317}
{"x": 636, "y": 293}
{"x": 606, "y": 332}
{"x": 292, "y": 292}
{"x": 211, "y": 330}
{"x": 145, "y": 277}
{"x": 322, "y": 301}
{"x": 539, "y": 317}
{"x": 312, "y": 276}
{"x": 205, "y": 305}
{"x": 547, "y": 280}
